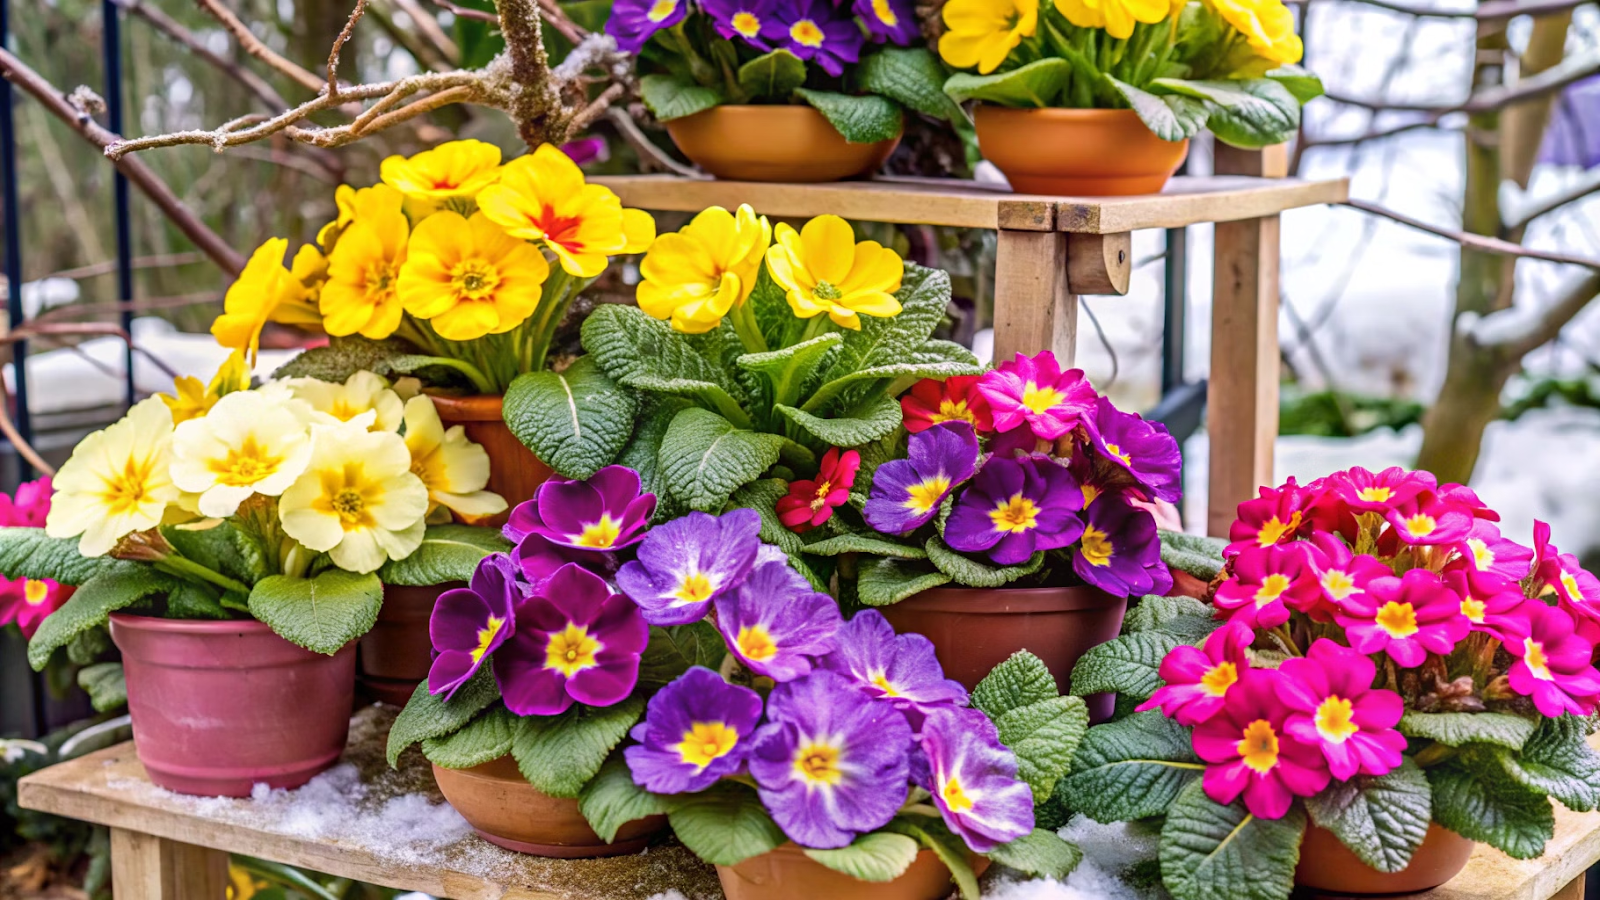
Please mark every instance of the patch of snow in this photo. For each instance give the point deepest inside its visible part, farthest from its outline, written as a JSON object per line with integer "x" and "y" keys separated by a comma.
{"x": 668, "y": 895}
{"x": 1109, "y": 851}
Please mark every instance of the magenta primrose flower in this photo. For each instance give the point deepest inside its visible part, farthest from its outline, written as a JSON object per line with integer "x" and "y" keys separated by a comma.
{"x": 29, "y": 601}
{"x": 1429, "y": 518}
{"x": 574, "y": 641}
{"x": 813, "y": 30}
{"x": 1577, "y": 591}
{"x": 1196, "y": 680}
{"x": 1268, "y": 582}
{"x": 472, "y": 622}
{"x": 1341, "y": 573}
{"x": 1407, "y": 618}
{"x": 1381, "y": 491}
{"x": 1336, "y": 708}
{"x": 776, "y": 624}
{"x": 1272, "y": 518}
{"x": 1120, "y": 552}
{"x": 30, "y": 507}
{"x": 695, "y": 730}
{"x": 974, "y": 778}
{"x": 539, "y": 558}
{"x": 898, "y": 668}
{"x": 686, "y": 564}
{"x": 1034, "y": 390}
{"x": 634, "y": 22}
{"x": 906, "y": 493}
{"x": 1016, "y": 507}
{"x": 605, "y": 513}
{"x": 1553, "y": 663}
{"x": 1485, "y": 550}
{"x": 1251, "y": 751}
{"x": 1145, "y": 450}
{"x": 1491, "y": 603}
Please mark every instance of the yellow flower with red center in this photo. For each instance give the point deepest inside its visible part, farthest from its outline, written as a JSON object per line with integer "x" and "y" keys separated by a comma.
{"x": 983, "y": 33}
{"x": 360, "y": 296}
{"x": 697, "y": 275}
{"x": 255, "y": 297}
{"x": 448, "y": 171}
{"x": 469, "y": 278}
{"x": 544, "y": 197}
{"x": 824, "y": 270}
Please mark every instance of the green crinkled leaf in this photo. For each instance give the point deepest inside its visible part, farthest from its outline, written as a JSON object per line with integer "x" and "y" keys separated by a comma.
{"x": 1481, "y": 804}
{"x": 1021, "y": 681}
{"x": 105, "y": 685}
{"x": 668, "y": 98}
{"x": 221, "y": 548}
{"x": 866, "y": 119}
{"x": 559, "y": 754}
{"x": 321, "y": 614}
{"x": 1557, "y": 761}
{"x": 640, "y": 352}
{"x": 1039, "y": 853}
{"x": 676, "y": 649}
{"x": 1032, "y": 86}
{"x": 1214, "y": 852}
{"x": 1154, "y": 613}
{"x": 429, "y": 716}
{"x": 724, "y": 824}
{"x": 1131, "y": 768}
{"x": 878, "y": 419}
{"x": 92, "y": 604}
{"x": 772, "y": 76}
{"x": 816, "y": 570}
{"x": 88, "y": 647}
{"x": 951, "y": 850}
{"x": 934, "y": 359}
{"x": 886, "y": 581}
{"x": 643, "y": 451}
{"x": 1382, "y": 820}
{"x": 770, "y": 304}
{"x": 194, "y": 601}
{"x": 785, "y": 370}
{"x": 1127, "y": 665}
{"x": 911, "y": 76}
{"x": 1195, "y": 554}
{"x": 762, "y": 496}
{"x": 924, "y": 295}
{"x": 1250, "y": 112}
{"x": 1458, "y": 728}
{"x": 342, "y": 357}
{"x": 1173, "y": 117}
{"x": 1044, "y": 736}
{"x": 575, "y": 421}
{"x": 1301, "y": 84}
{"x": 865, "y": 543}
{"x": 611, "y": 800}
{"x": 485, "y": 738}
{"x": 973, "y": 573}
{"x": 30, "y": 553}
{"x": 877, "y": 856}
{"x": 705, "y": 458}
{"x": 447, "y": 553}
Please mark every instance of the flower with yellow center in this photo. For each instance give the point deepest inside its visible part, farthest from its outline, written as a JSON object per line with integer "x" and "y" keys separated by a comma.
{"x": 359, "y": 296}
{"x": 249, "y": 443}
{"x": 695, "y": 276}
{"x": 543, "y": 197}
{"x": 983, "y": 33}
{"x": 118, "y": 481}
{"x": 1217, "y": 679}
{"x": 190, "y": 399}
{"x": 1273, "y": 530}
{"x": 1267, "y": 24}
{"x": 1272, "y": 587}
{"x": 926, "y": 494}
{"x": 1016, "y": 515}
{"x": 955, "y": 796}
{"x": 1397, "y": 619}
{"x": 357, "y": 500}
{"x": 255, "y": 297}
{"x": 448, "y": 171}
{"x": 824, "y": 270}
{"x": 469, "y": 278}
{"x": 817, "y": 764}
{"x": 572, "y": 650}
{"x": 454, "y": 469}
{"x": 1335, "y": 719}
{"x": 1258, "y": 747}
{"x": 1537, "y": 661}
{"x": 1096, "y": 548}
{"x": 1117, "y": 17}
{"x": 1339, "y": 584}
{"x": 706, "y": 742}
{"x": 364, "y": 399}
{"x": 756, "y": 643}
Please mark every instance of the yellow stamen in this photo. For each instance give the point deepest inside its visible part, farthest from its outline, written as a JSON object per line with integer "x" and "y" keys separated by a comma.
{"x": 1338, "y": 583}
{"x": 1219, "y": 678}
{"x": 661, "y": 9}
{"x": 1398, "y": 620}
{"x": 756, "y": 643}
{"x": 746, "y": 24}
{"x": 1096, "y": 547}
{"x": 571, "y": 650}
{"x": 705, "y": 742}
{"x": 1015, "y": 515}
{"x": 1041, "y": 399}
{"x": 1375, "y": 494}
{"x": 486, "y": 636}
{"x": 1534, "y": 658}
{"x": 1273, "y": 531}
{"x": 1259, "y": 746}
{"x": 600, "y": 535}
{"x": 1271, "y": 589}
{"x": 1334, "y": 719}
{"x": 806, "y": 33}
{"x": 1473, "y": 610}
{"x": 1421, "y": 525}
{"x": 955, "y": 798}
{"x": 695, "y": 587}
{"x": 34, "y": 592}
{"x": 818, "y": 764}
{"x": 926, "y": 494}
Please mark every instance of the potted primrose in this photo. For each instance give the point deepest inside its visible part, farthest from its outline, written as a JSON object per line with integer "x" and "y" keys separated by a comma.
{"x": 759, "y": 90}
{"x": 1386, "y": 682}
{"x": 1112, "y": 90}
{"x": 202, "y": 526}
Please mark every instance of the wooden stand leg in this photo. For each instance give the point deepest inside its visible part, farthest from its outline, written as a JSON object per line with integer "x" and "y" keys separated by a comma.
{"x": 1242, "y": 406}
{"x": 1573, "y": 890}
{"x": 145, "y": 867}
{"x": 1033, "y": 309}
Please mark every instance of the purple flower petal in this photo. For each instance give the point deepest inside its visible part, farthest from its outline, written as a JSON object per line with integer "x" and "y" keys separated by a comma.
{"x": 775, "y": 623}
{"x": 470, "y": 623}
{"x": 695, "y": 730}
{"x": 688, "y": 563}
{"x": 906, "y": 493}
{"x": 899, "y": 668}
{"x": 974, "y": 779}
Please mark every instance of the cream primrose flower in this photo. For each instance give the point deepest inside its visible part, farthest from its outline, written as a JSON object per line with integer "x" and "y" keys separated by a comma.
{"x": 358, "y": 500}
{"x": 249, "y": 443}
{"x": 117, "y": 481}
{"x": 454, "y": 469}
{"x": 332, "y": 403}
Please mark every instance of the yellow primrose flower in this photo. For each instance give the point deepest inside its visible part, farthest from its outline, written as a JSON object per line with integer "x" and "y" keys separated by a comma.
{"x": 358, "y": 204}
{"x": 358, "y": 500}
{"x": 263, "y": 287}
{"x": 1267, "y": 24}
{"x": 469, "y": 278}
{"x": 696, "y": 275}
{"x": 310, "y": 267}
{"x": 456, "y": 169}
{"x": 249, "y": 443}
{"x": 364, "y": 399}
{"x": 359, "y": 296}
{"x": 117, "y": 481}
{"x": 543, "y": 197}
{"x": 824, "y": 270}
{"x": 190, "y": 399}
{"x": 1117, "y": 17}
{"x": 454, "y": 469}
{"x": 983, "y": 33}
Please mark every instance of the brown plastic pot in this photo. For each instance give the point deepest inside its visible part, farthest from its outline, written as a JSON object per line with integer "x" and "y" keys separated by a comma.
{"x": 507, "y": 811}
{"x": 774, "y": 143}
{"x": 1326, "y": 864}
{"x": 396, "y": 653}
{"x": 514, "y": 472}
{"x": 1077, "y": 152}
{"x": 975, "y": 629}
{"x": 219, "y": 707}
{"x": 788, "y": 874}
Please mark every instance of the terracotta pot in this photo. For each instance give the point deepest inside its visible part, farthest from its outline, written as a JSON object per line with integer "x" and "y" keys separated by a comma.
{"x": 507, "y": 811}
{"x": 219, "y": 707}
{"x": 788, "y": 874}
{"x": 774, "y": 143}
{"x": 1077, "y": 152}
{"x": 514, "y": 472}
{"x": 397, "y": 652}
{"x": 1328, "y": 865}
{"x": 975, "y": 629}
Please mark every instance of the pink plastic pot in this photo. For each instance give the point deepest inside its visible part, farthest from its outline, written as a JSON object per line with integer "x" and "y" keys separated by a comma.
{"x": 219, "y": 707}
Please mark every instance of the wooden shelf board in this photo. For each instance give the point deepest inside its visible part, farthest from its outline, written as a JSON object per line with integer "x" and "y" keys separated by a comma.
{"x": 967, "y": 204}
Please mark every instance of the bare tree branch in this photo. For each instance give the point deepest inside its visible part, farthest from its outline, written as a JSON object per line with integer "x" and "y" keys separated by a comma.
{"x": 1476, "y": 241}
{"x": 1555, "y": 78}
{"x": 338, "y": 46}
{"x": 169, "y": 26}
{"x": 630, "y": 131}
{"x": 253, "y": 45}
{"x": 1522, "y": 218}
{"x": 1520, "y": 330}
{"x": 1491, "y": 11}
{"x": 552, "y": 13}
{"x": 466, "y": 12}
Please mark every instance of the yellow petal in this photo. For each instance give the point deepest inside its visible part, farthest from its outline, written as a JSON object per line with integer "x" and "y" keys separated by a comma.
{"x": 640, "y": 229}
{"x": 830, "y": 247}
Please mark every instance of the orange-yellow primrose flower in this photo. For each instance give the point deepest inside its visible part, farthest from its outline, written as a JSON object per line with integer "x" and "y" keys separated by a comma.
{"x": 983, "y": 33}
{"x": 191, "y": 399}
{"x": 310, "y": 267}
{"x": 543, "y": 197}
{"x": 695, "y": 276}
{"x": 1117, "y": 17}
{"x": 469, "y": 278}
{"x": 358, "y": 204}
{"x": 455, "y": 169}
{"x": 1267, "y": 24}
{"x": 824, "y": 270}
{"x": 359, "y": 296}
{"x": 263, "y": 287}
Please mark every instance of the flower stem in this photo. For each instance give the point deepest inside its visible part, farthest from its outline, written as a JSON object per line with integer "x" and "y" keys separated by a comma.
{"x": 743, "y": 317}
{"x": 188, "y": 568}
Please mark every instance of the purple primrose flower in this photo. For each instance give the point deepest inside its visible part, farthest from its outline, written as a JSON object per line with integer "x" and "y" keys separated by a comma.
{"x": 470, "y": 623}
{"x": 814, "y": 30}
{"x": 891, "y": 20}
{"x": 899, "y": 668}
{"x": 634, "y": 22}
{"x": 605, "y": 513}
{"x": 973, "y": 778}
{"x": 696, "y": 730}
{"x": 1121, "y": 553}
{"x": 687, "y": 563}
{"x": 741, "y": 19}
{"x": 1144, "y": 449}
{"x": 775, "y": 623}
{"x": 1015, "y": 507}
{"x": 906, "y": 493}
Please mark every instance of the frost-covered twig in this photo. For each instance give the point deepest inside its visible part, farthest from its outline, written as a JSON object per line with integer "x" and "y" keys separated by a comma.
{"x": 1555, "y": 78}
{"x": 1518, "y": 218}
{"x": 1477, "y": 241}
{"x": 254, "y": 46}
{"x": 1521, "y": 330}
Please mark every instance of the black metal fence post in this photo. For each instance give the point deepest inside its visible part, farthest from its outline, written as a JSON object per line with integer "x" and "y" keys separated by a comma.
{"x": 13, "y": 246}
{"x": 111, "y": 49}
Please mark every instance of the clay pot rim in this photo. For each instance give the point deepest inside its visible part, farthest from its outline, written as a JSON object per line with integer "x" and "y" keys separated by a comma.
{"x": 803, "y": 110}
{"x": 471, "y": 408}
{"x": 138, "y": 622}
{"x": 956, "y": 599}
{"x": 1078, "y": 116}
